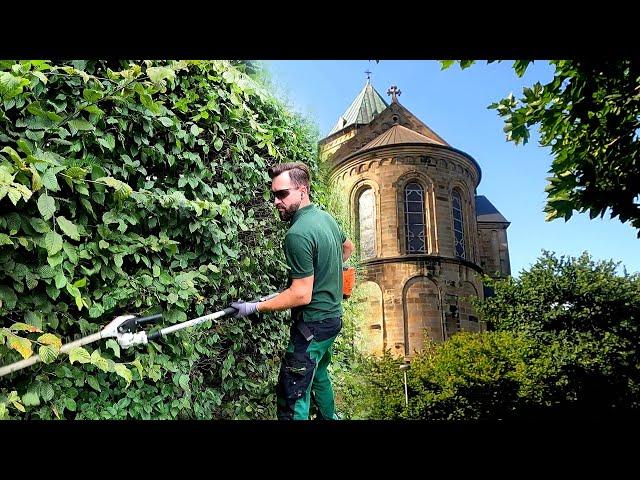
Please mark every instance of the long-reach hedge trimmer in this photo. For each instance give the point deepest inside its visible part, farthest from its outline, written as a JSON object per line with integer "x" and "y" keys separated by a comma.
{"x": 123, "y": 329}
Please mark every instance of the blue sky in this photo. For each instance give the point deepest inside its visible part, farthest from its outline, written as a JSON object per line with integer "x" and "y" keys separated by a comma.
{"x": 454, "y": 104}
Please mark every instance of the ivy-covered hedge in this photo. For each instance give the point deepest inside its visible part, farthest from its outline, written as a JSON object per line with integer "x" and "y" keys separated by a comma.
{"x": 139, "y": 187}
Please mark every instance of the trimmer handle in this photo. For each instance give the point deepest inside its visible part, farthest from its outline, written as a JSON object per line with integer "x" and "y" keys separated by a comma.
{"x": 231, "y": 311}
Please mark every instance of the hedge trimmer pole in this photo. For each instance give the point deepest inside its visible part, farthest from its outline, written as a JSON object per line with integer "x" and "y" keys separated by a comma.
{"x": 122, "y": 328}
{"x": 190, "y": 323}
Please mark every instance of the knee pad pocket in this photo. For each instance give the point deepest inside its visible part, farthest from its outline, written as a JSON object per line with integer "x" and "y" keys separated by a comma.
{"x": 297, "y": 372}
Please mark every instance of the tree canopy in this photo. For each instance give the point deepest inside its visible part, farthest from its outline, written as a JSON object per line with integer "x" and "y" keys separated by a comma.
{"x": 589, "y": 114}
{"x": 563, "y": 342}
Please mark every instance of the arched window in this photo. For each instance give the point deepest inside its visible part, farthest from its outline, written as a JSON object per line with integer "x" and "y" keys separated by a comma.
{"x": 458, "y": 223}
{"x": 367, "y": 223}
{"x": 414, "y": 218}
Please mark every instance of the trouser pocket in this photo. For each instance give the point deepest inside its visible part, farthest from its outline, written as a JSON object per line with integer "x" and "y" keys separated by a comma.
{"x": 296, "y": 374}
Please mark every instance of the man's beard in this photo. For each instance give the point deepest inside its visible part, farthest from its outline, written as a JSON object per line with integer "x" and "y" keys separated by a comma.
{"x": 289, "y": 212}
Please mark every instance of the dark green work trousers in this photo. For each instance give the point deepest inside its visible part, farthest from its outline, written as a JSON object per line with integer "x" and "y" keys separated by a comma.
{"x": 303, "y": 371}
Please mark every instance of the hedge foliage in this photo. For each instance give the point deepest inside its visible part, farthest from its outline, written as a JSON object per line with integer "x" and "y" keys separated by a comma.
{"x": 139, "y": 187}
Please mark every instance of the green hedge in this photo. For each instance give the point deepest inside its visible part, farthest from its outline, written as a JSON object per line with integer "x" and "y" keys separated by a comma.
{"x": 564, "y": 345}
{"x": 138, "y": 187}
{"x": 471, "y": 376}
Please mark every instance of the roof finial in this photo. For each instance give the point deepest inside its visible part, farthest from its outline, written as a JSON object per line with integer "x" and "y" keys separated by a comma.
{"x": 394, "y": 92}
{"x": 368, "y": 76}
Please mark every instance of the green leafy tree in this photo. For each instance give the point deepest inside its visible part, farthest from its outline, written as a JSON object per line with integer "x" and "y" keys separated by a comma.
{"x": 471, "y": 376}
{"x": 589, "y": 114}
{"x": 587, "y": 318}
{"x": 564, "y": 343}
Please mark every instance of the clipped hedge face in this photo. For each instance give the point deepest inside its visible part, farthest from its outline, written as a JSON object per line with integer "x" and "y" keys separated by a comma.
{"x": 136, "y": 188}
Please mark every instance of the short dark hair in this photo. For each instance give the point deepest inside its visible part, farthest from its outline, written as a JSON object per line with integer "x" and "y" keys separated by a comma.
{"x": 298, "y": 172}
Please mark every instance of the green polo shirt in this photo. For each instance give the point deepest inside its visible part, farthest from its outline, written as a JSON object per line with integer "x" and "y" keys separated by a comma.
{"x": 313, "y": 246}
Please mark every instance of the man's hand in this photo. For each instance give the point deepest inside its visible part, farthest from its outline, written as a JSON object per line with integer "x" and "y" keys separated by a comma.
{"x": 347, "y": 249}
{"x": 244, "y": 308}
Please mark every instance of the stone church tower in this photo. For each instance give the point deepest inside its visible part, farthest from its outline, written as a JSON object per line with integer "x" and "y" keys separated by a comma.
{"x": 423, "y": 233}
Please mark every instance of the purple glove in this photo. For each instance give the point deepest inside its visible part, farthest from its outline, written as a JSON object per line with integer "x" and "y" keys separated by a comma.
{"x": 244, "y": 308}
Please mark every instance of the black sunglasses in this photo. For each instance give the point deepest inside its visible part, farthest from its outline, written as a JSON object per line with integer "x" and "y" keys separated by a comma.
{"x": 284, "y": 193}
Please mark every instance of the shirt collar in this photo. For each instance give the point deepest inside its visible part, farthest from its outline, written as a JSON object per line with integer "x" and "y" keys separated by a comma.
{"x": 300, "y": 212}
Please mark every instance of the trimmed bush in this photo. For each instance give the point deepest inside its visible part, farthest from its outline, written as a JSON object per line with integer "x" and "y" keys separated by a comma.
{"x": 139, "y": 187}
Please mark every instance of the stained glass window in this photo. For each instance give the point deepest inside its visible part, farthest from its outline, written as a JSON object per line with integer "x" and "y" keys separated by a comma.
{"x": 414, "y": 218}
{"x": 458, "y": 224}
{"x": 367, "y": 223}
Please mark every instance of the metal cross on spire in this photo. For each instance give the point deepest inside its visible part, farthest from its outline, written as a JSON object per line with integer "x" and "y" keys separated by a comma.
{"x": 394, "y": 92}
{"x": 368, "y": 76}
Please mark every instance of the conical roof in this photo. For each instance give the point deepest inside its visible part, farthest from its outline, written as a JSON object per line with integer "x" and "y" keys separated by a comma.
{"x": 396, "y": 135}
{"x": 364, "y": 108}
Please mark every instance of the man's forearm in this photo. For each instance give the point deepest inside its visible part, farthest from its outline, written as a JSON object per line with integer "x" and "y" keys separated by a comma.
{"x": 287, "y": 299}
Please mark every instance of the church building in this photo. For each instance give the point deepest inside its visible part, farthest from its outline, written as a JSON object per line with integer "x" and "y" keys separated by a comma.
{"x": 423, "y": 232}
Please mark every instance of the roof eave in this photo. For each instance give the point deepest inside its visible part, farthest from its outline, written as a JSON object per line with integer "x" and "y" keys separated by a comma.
{"x": 415, "y": 144}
